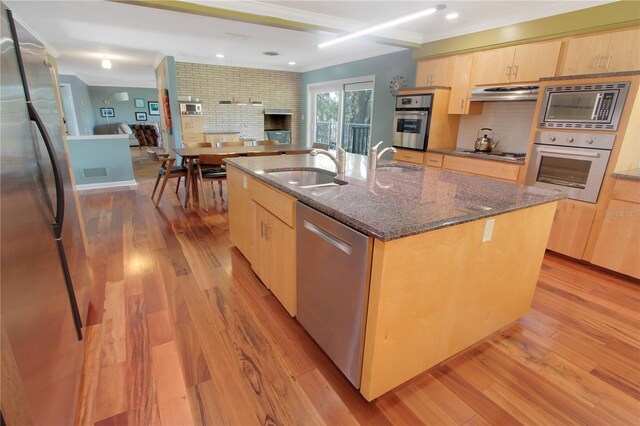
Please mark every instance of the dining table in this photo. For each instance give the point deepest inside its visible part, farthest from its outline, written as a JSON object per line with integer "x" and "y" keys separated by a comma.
{"x": 189, "y": 155}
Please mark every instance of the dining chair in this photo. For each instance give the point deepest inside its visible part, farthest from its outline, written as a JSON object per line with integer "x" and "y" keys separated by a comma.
{"x": 211, "y": 167}
{"x": 267, "y": 142}
{"x": 197, "y": 144}
{"x": 263, "y": 154}
{"x": 225, "y": 144}
{"x": 167, "y": 171}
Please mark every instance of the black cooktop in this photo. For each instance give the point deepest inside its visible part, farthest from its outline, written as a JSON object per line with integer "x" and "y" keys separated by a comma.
{"x": 498, "y": 153}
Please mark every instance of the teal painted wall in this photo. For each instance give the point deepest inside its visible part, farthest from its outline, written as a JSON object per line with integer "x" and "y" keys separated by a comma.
{"x": 384, "y": 68}
{"x": 111, "y": 152}
{"x": 81, "y": 102}
{"x": 124, "y": 111}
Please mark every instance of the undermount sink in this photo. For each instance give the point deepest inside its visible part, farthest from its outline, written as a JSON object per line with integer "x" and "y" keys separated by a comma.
{"x": 307, "y": 178}
{"x": 395, "y": 169}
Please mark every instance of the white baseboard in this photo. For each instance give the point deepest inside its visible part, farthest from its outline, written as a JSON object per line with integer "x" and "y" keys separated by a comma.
{"x": 103, "y": 185}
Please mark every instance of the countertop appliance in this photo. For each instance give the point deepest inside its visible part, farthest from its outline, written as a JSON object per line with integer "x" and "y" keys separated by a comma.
{"x": 411, "y": 121}
{"x": 594, "y": 106}
{"x": 485, "y": 143}
{"x": 332, "y": 302}
{"x": 504, "y": 94}
{"x": 44, "y": 274}
{"x": 282, "y": 136}
{"x": 190, "y": 108}
{"x": 574, "y": 163}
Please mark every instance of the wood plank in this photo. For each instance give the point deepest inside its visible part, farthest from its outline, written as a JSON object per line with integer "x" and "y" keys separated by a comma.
{"x": 113, "y": 325}
{"x": 89, "y": 377}
{"x": 327, "y": 403}
{"x": 111, "y": 395}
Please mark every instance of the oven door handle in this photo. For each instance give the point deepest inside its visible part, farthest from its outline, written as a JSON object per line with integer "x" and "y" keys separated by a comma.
{"x": 411, "y": 113}
{"x": 575, "y": 154}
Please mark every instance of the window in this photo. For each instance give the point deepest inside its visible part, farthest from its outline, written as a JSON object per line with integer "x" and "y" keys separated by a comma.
{"x": 340, "y": 113}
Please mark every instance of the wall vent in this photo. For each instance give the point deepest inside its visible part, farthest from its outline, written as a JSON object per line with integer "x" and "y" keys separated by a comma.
{"x": 95, "y": 172}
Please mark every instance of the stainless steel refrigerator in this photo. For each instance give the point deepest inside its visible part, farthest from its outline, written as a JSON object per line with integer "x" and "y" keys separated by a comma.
{"x": 44, "y": 273}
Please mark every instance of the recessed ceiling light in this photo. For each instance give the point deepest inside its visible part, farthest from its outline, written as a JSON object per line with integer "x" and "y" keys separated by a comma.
{"x": 106, "y": 64}
{"x": 219, "y": 55}
{"x": 452, "y": 15}
{"x": 384, "y": 25}
{"x": 292, "y": 63}
{"x": 270, "y": 53}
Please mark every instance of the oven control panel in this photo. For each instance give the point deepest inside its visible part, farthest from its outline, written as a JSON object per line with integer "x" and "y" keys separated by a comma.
{"x": 577, "y": 139}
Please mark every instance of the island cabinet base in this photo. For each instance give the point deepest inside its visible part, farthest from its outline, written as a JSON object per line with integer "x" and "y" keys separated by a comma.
{"x": 432, "y": 295}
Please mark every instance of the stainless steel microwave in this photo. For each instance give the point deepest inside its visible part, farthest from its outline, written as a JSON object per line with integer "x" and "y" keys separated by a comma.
{"x": 190, "y": 108}
{"x": 596, "y": 106}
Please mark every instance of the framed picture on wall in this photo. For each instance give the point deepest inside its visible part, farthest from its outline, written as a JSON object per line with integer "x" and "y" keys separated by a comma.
{"x": 154, "y": 108}
{"x": 107, "y": 112}
{"x": 141, "y": 116}
{"x": 138, "y": 102}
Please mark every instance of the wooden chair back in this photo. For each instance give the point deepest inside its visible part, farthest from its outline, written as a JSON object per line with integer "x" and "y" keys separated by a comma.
{"x": 224, "y": 144}
{"x": 263, "y": 154}
{"x": 197, "y": 144}
{"x": 213, "y": 159}
{"x": 266, "y": 142}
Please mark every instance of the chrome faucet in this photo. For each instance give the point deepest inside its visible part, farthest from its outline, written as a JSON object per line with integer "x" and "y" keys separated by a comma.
{"x": 340, "y": 161}
{"x": 374, "y": 156}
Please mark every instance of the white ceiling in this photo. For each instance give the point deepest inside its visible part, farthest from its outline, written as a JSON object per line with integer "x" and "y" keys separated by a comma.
{"x": 136, "y": 38}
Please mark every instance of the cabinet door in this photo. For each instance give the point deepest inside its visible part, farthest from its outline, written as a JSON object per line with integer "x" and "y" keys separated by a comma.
{"x": 624, "y": 53}
{"x": 618, "y": 244}
{"x": 571, "y": 226}
{"x": 433, "y": 72}
{"x": 260, "y": 262}
{"x": 494, "y": 66}
{"x": 461, "y": 86}
{"x": 586, "y": 55}
{"x": 192, "y": 125}
{"x": 281, "y": 240}
{"x": 536, "y": 60}
{"x": 241, "y": 212}
{"x": 409, "y": 156}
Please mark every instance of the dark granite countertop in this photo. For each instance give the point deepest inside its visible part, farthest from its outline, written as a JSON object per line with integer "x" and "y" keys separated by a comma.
{"x": 631, "y": 174}
{"x": 599, "y": 75}
{"x": 461, "y": 153}
{"x": 390, "y": 205}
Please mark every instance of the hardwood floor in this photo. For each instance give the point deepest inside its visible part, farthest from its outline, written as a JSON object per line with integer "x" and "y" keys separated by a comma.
{"x": 180, "y": 331}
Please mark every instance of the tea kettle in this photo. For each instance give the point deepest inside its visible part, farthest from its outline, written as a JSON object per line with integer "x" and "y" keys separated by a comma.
{"x": 485, "y": 143}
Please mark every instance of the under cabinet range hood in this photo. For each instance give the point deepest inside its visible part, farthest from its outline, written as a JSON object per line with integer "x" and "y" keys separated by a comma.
{"x": 504, "y": 94}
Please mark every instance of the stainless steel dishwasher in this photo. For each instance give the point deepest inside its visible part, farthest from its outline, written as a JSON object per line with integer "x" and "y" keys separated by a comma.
{"x": 333, "y": 266}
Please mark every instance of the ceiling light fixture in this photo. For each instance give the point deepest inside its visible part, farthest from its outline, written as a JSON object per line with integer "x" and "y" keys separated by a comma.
{"x": 292, "y": 63}
{"x": 106, "y": 64}
{"x": 219, "y": 55}
{"x": 452, "y": 15}
{"x": 384, "y": 25}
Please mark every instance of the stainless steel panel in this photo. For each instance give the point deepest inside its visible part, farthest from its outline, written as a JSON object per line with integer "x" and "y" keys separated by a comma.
{"x": 575, "y": 139}
{"x": 333, "y": 266}
{"x": 416, "y": 141}
{"x": 414, "y": 101}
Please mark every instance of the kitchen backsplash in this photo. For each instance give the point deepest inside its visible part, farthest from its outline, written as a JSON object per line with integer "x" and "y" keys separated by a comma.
{"x": 214, "y": 83}
{"x": 511, "y": 122}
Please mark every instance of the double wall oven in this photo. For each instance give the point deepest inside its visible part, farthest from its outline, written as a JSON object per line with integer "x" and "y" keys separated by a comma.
{"x": 411, "y": 121}
{"x": 572, "y": 156}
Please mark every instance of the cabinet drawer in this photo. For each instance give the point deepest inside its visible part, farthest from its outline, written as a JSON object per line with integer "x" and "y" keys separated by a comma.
{"x": 283, "y": 206}
{"x": 192, "y": 137}
{"x": 485, "y": 168}
{"x": 409, "y": 156}
{"x": 626, "y": 190}
{"x": 433, "y": 160}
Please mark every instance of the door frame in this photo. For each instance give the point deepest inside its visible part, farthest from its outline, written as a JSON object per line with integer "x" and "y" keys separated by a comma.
{"x": 68, "y": 105}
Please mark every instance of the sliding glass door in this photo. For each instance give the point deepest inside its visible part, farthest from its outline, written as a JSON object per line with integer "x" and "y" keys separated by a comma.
{"x": 341, "y": 112}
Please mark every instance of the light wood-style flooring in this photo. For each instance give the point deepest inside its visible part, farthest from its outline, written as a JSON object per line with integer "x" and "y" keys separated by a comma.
{"x": 180, "y": 331}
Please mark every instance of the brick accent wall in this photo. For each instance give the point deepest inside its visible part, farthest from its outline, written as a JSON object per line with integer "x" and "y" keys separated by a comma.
{"x": 213, "y": 83}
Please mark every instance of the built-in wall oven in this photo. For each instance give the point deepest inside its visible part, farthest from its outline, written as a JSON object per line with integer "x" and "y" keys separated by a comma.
{"x": 595, "y": 106}
{"x": 411, "y": 121}
{"x": 574, "y": 163}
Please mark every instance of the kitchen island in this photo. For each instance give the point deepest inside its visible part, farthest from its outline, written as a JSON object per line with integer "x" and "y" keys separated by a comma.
{"x": 454, "y": 258}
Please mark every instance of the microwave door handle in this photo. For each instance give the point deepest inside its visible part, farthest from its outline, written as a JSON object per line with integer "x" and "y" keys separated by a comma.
{"x": 594, "y": 113}
{"x": 575, "y": 154}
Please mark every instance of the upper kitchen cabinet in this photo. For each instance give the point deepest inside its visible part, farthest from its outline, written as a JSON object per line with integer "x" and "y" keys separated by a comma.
{"x": 527, "y": 62}
{"x": 433, "y": 72}
{"x": 461, "y": 66}
{"x": 609, "y": 52}
{"x": 191, "y": 125}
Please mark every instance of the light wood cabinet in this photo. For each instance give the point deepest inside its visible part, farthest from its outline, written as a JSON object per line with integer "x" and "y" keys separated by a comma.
{"x": 571, "y": 226}
{"x": 433, "y": 72}
{"x": 192, "y": 125}
{"x": 241, "y": 223}
{"x": 213, "y": 138}
{"x": 484, "y": 168}
{"x": 188, "y": 138}
{"x": 408, "y": 156}
{"x": 461, "y": 84}
{"x": 618, "y": 244}
{"x": 433, "y": 159}
{"x": 608, "y": 52}
{"x": 527, "y": 62}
